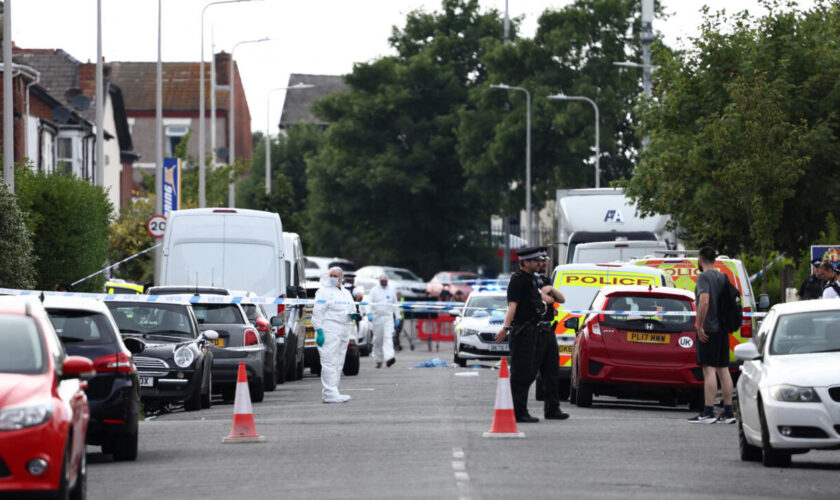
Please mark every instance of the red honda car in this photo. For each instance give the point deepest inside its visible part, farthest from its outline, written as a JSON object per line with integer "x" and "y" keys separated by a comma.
{"x": 637, "y": 356}
{"x": 43, "y": 409}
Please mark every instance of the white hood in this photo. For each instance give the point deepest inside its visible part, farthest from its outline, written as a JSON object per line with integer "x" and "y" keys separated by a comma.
{"x": 806, "y": 370}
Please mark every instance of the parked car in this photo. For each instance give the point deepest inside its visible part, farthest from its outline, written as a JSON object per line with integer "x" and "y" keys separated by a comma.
{"x": 636, "y": 356}
{"x": 454, "y": 282}
{"x": 271, "y": 376}
{"x": 405, "y": 282}
{"x": 44, "y": 412}
{"x": 476, "y": 328}
{"x": 293, "y": 331}
{"x": 789, "y": 389}
{"x": 86, "y": 328}
{"x": 172, "y": 355}
{"x": 237, "y": 342}
{"x": 315, "y": 267}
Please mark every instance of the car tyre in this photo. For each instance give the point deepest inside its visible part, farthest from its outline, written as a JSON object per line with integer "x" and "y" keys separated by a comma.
{"x": 79, "y": 491}
{"x": 584, "y": 395}
{"x": 769, "y": 456}
{"x": 748, "y": 452}
{"x": 271, "y": 377}
{"x": 696, "y": 401}
{"x": 299, "y": 370}
{"x": 564, "y": 390}
{"x": 229, "y": 393}
{"x": 193, "y": 403}
{"x": 257, "y": 391}
{"x": 351, "y": 362}
{"x": 63, "y": 491}
{"x": 291, "y": 364}
{"x": 124, "y": 448}
{"x": 280, "y": 368}
{"x": 207, "y": 397}
{"x": 459, "y": 361}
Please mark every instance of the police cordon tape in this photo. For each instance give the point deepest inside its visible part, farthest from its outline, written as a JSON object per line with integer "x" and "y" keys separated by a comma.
{"x": 416, "y": 306}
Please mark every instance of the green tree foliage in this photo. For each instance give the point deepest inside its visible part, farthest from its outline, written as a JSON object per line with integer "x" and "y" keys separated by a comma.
{"x": 69, "y": 219}
{"x": 387, "y": 185}
{"x": 573, "y": 51}
{"x": 128, "y": 236}
{"x": 17, "y": 267}
{"x": 744, "y": 134}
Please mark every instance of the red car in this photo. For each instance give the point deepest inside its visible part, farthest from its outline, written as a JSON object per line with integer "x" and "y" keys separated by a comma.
{"x": 453, "y": 282}
{"x": 43, "y": 409}
{"x": 635, "y": 356}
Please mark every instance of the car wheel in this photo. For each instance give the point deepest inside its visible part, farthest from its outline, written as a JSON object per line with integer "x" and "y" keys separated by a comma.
{"x": 769, "y": 456}
{"x": 696, "y": 401}
{"x": 257, "y": 391}
{"x": 291, "y": 363}
{"x": 207, "y": 398}
{"x": 193, "y": 403}
{"x": 270, "y": 377}
{"x": 79, "y": 491}
{"x": 299, "y": 371}
{"x": 584, "y": 394}
{"x": 564, "y": 391}
{"x": 351, "y": 362}
{"x": 229, "y": 393}
{"x": 458, "y": 361}
{"x": 63, "y": 491}
{"x": 748, "y": 452}
{"x": 280, "y": 368}
{"x": 124, "y": 447}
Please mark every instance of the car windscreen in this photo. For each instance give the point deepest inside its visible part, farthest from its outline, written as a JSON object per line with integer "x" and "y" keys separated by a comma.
{"x": 808, "y": 332}
{"x": 23, "y": 346}
{"x": 84, "y": 327}
{"x": 402, "y": 274}
{"x": 344, "y": 266}
{"x": 475, "y": 304}
{"x": 647, "y": 303}
{"x": 169, "y": 319}
{"x": 218, "y": 314}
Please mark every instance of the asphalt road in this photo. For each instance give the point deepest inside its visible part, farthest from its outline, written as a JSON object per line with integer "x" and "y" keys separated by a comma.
{"x": 417, "y": 433}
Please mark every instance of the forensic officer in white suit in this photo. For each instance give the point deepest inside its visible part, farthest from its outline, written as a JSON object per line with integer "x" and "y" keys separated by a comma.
{"x": 383, "y": 309}
{"x": 333, "y": 320}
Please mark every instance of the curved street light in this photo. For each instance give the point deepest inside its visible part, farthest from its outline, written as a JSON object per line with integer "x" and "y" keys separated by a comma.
{"x": 563, "y": 97}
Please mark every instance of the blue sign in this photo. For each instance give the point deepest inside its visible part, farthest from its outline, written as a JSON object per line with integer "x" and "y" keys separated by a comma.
{"x": 826, "y": 252}
{"x": 171, "y": 185}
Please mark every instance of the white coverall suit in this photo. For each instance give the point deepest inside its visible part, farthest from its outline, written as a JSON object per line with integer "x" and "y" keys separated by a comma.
{"x": 335, "y": 320}
{"x": 384, "y": 306}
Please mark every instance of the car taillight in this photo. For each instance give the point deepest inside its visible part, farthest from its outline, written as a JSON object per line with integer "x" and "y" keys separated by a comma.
{"x": 746, "y": 324}
{"x": 251, "y": 337}
{"x": 595, "y": 329}
{"x": 281, "y": 308}
{"x": 262, "y": 325}
{"x": 118, "y": 362}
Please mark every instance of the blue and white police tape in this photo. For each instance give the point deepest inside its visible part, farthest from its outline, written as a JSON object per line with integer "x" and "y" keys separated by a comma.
{"x": 417, "y": 306}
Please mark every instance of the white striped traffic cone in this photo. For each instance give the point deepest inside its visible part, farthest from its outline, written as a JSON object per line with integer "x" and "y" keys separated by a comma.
{"x": 504, "y": 419}
{"x": 243, "y": 429}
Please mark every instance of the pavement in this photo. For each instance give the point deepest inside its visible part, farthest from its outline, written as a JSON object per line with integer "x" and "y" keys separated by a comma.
{"x": 417, "y": 433}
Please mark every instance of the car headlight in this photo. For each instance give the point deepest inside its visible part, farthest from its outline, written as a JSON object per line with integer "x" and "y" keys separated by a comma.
{"x": 184, "y": 356}
{"x": 794, "y": 394}
{"x": 465, "y": 332}
{"x": 28, "y": 415}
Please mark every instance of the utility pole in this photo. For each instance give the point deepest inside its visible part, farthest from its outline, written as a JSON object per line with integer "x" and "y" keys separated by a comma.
{"x": 8, "y": 104}
{"x": 647, "y": 39}
{"x": 158, "y": 144}
{"x": 507, "y": 24}
{"x": 99, "y": 168}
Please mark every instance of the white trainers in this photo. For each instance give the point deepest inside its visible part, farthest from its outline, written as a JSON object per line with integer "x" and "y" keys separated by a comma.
{"x": 344, "y": 397}
{"x": 703, "y": 419}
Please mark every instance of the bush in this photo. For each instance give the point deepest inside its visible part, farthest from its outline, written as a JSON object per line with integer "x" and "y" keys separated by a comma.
{"x": 69, "y": 220}
{"x": 17, "y": 267}
{"x": 129, "y": 236}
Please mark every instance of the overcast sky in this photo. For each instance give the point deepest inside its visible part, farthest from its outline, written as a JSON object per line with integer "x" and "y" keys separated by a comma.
{"x": 307, "y": 36}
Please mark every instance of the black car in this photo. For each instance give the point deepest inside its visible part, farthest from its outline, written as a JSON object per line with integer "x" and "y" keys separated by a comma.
{"x": 87, "y": 329}
{"x": 172, "y": 355}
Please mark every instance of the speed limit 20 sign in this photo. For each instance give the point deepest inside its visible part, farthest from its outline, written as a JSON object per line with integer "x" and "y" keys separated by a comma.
{"x": 156, "y": 226}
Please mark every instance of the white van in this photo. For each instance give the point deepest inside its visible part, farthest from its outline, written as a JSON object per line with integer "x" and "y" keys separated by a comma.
{"x": 230, "y": 248}
{"x": 602, "y": 252}
{"x": 293, "y": 316}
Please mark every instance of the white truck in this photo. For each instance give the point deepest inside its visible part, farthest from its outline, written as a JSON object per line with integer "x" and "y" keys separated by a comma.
{"x": 601, "y": 225}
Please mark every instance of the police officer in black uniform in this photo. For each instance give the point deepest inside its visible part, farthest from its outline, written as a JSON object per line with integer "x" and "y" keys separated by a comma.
{"x": 812, "y": 287}
{"x": 547, "y": 356}
{"x": 525, "y": 309}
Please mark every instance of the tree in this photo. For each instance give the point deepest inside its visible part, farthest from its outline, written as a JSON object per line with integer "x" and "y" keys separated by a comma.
{"x": 69, "y": 219}
{"x": 17, "y": 267}
{"x": 743, "y": 132}
{"x": 128, "y": 236}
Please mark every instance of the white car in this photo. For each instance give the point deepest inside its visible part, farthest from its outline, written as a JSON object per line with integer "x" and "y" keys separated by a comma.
{"x": 481, "y": 318}
{"x": 789, "y": 388}
{"x": 405, "y": 282}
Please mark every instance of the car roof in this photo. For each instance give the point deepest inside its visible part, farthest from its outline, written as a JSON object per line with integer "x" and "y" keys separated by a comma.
{"x": 13, "y": 304}
{"x": 75, "y": 303}
{"x": 618, "y": 267}
{"x": 187, "y": 290}
{"x": 807, "y": 306}
{"x": 643, "y": 290}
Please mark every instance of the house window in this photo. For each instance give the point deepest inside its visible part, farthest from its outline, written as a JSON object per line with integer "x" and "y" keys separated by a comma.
{"x": 174, "y": 134}
{"x": 64, "y": 155}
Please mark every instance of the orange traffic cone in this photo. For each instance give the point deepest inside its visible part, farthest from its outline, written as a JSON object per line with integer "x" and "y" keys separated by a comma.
{"x": 243, "y": 429}
{"x": 504, "y": 420}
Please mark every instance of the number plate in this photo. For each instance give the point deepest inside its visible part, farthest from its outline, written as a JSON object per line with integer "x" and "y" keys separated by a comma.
{"x": 498, "y": 347}
{"x": 565, "y": 348}
{"x": 648, "y": 338}
{"x": 147, "y": 382}
{"x": 218, "y": 342}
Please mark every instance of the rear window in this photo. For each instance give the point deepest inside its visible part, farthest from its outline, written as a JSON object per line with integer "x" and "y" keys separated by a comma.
{"x": 344, "y": 266}
{"x": 402, "y": 274}
{"x": 218, "y": 314}
{"x": 645, "y": 303}
{"x": 81, "y": 327}
{"x": 23, "y": 346}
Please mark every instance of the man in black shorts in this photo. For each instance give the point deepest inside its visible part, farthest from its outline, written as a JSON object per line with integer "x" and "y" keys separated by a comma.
{"x": 712, "y": 345}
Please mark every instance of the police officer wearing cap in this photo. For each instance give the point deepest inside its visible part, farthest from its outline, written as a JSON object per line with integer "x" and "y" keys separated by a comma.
{"x": 525, "y": 309}
{"x": 812, "y": 287}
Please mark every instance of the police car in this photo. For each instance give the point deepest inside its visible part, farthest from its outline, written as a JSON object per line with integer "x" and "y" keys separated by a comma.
{"x": 476, "y": 325}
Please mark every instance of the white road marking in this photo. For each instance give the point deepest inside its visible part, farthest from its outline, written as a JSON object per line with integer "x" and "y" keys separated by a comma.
{"x": 359, "y": 389}
{"x": 458, "y": 465}
{"x": 457, "y": 453}
{"x": 462, "y": 476}
{"x": 462, "y": 479}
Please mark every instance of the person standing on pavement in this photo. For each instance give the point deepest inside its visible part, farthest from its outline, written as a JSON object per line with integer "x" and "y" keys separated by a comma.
{"x": 712, "y": 344}
{"x": 829, "y": 274}
{"x": 547, "y": 356}
{"x": 812, "y": 287}
{"x": 332, "y": 318}
{"x": 383, "y": 308}
{"x": 520, "y": 325}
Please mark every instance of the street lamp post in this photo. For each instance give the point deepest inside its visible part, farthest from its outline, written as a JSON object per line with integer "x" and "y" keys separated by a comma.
{"x": 563, "y": 97}
{"x": 202, "y": 199}
{"x": 502, "y": 86}
{"x": 232, "y": 119}
{"x": 158, "y": 139}
{"x": 99, "y": 168}
{"x": 297, "y": 86}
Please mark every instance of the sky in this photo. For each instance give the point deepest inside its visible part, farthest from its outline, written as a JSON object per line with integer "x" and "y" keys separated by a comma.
{"x": 309, "y": 36}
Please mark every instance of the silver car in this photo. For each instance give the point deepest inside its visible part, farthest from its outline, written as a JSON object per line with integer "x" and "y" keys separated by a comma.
{"x": 405, "y": 282}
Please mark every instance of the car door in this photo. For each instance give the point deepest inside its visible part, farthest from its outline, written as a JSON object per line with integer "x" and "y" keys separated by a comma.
{"x": 749, "y": 382}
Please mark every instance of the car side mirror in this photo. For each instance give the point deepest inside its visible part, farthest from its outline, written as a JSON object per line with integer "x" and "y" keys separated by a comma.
{"x": 276, "y": 321}
{"x": 211, "y": 335}
{"x": 455, "y": 312}
{"x": 77, "y": 367}
{"x": 747, "y": 351}
{"x": 763, "y": 302}
{"x": 572, "y": 324}
{"x": 134, "y": 346}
